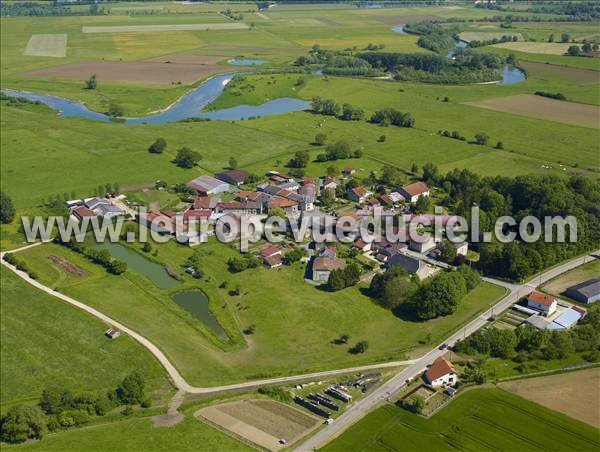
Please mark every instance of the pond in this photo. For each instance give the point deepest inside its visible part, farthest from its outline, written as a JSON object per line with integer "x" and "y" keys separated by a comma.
{"x": 246, "y": 62}
{"x": 189, "y": 106}
{"x": 399, "y": 29}
{"x": 138, "y": 263}
{"x": 196, "y": 303}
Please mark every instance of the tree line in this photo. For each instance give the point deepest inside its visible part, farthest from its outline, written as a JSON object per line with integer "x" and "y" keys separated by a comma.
{"x": 60, "y": 408}
{"x": 100, "y": 257}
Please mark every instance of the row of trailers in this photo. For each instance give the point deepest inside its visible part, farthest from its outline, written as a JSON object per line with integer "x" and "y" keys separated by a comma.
{"x": 319, "y": 404}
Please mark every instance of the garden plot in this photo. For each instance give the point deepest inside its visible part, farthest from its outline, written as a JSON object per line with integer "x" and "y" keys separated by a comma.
{"x": 159, "y": 28}
{"x": 262, "y": 422}
{"x": 47, "y": 46}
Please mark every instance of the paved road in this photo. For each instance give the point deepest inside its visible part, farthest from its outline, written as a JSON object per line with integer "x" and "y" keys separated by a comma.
{"x": 178, "y": 381}
{"x": 388, "y": 390}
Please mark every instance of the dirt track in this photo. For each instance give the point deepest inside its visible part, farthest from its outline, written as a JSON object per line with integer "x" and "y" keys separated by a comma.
{"x": 576, "y": 394}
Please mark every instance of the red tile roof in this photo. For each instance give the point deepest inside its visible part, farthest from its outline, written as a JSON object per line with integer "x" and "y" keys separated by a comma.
{"x": 360, "y": 191}
{"x": 273, "y": 261}
{"x": 541, "y": 298}
{"x": 416, "y": 189}
{"x": 269, "y": 250}
{"x": 439, "y": 368}
{"x": 83, "y": 212}
{"x": 204, "y": 213}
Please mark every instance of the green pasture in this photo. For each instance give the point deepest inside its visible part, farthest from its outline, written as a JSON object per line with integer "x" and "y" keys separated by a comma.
{"x": 46, "y": 342}
{"x": 480, "y": 419}
{"x": 295, "y": 323}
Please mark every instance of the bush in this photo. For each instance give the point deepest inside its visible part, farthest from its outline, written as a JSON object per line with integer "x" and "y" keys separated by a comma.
{"x": 21, "y": 423}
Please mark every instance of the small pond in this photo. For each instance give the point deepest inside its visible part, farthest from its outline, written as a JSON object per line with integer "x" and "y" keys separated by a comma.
{"x": 399, "y": 29}
{"x": 138, "y": 263}
{"x": 246, "y": 62}
{"x": 196, "y": 303}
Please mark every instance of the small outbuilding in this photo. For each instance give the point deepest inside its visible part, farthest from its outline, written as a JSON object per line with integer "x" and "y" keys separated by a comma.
{"x": 113, "y": 332}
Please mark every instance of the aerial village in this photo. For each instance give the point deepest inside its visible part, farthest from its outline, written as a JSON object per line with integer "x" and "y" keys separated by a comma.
{"x": 235, "y": 193}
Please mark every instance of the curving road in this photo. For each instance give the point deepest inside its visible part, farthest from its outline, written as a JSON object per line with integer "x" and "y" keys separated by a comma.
{"x": 177, "y": 380}
{"x": 355, "y": 412}
{"x": 388, "y": 390}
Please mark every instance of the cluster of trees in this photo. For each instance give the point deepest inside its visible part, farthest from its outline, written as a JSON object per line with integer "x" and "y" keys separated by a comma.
{"x": 454, "y": 134}
{"x": 489, "y": 42}
{"x": 435, "y": 297}
{"x": 536, "y": 195}
{"x": 60, "y": 408}
{"x": 232, "y": 14}
{"x": 466, "y": 66}
{"x": 195, "y": 264}
{"x": 158, "y": 147}
{"x": 115, "y": 110}
{"x": 20, "y": 265}
{"x": 11, "y": 9}
{"x": 415, "y": 404}
{"x": 186, "y": 158}
{"x": 577, "y": 11}
{"x": 529, "y": 343}
{"x": 338, "y": 150}
{"x": 239, "y": 264}
{"x": 91, "y": 83}
{"x": 300, "y": 159}
{"x": 557, "y": 96}
{"x": 342, "y": 278}
{"x": 433, "y": 36}
{"x": 295, "y": 255}
{"x": 7, "y": 209}
{"x": 330, "y": 107}
{"x": 391, "y": 116}
{"x": 100, "y": 257}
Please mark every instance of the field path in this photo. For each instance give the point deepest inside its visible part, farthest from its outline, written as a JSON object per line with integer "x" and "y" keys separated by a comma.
{"x": 176, "y": 379}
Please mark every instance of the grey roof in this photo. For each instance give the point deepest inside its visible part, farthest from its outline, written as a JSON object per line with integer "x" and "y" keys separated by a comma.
{"x": 538, "y": 321}
{"x": 568, "y": 318}
{"x": 409, "y": 263}
{"x": 95, "y": 202}
{"x": 588, "y": 288}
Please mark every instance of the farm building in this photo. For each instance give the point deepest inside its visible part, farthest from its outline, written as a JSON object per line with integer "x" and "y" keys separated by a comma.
{"x": 585, "y": 292}
{"x": 233, "y": 177}
{"x": 113, "y": 332}
{"x": 566, "y": 320}
{"x": 358, "y": 194}
{"x": 422, "y": 245}
{"x": 207, "y": 185}
{"x": 273, "y": 261}
{"x": 82, "y": 212}
{"x": 545, "y": 304}
{"x": 103, "y": 207}
{"x": 412, "y": 192}
{"x": 206, "y": 202}
{"x": 412, "y": 265}
{"x": 325, "y": 263}
{"x": 270, "y": 250}
{"x": 441, "y": 373}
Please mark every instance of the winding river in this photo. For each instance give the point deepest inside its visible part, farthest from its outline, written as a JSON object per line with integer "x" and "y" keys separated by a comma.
{"x": 189, "y": 106}
{"x": 510, "y": 74}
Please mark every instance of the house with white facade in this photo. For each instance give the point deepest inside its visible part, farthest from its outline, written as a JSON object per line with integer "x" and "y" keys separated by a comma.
{"x": 441, "y": 373}
{"x": 545, "y": 304}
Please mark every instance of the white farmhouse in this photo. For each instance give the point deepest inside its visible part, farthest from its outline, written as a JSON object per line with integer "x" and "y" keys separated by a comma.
{"x": 545, "y": 304}
{"x": 441, "y": 373}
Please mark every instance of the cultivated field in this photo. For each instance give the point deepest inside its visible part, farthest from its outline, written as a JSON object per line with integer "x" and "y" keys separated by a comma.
{"x": 160, "y": 28}
{"x": 168, "y": 69}
{"x": 558, "y": 285}
{"x": 576, "y": 394}
{"x": 480, "y": 419}
{"x": 546, "y": 48}
{"x": 469, "y": 36}
{"x": 552, "y": 72}
{"x": 544, "y": 108}
{"x": 47, "y": 46}
{"x": 262, "y": 422}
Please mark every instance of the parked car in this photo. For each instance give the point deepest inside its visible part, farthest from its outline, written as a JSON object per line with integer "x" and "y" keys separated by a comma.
{"x": 443, "y": 347}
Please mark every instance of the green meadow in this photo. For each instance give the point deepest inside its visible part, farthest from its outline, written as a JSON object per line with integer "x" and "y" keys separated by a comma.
{"x": 479, "y": 419}
{"x": 47, "y": 342}
{"x": 301, "y": 343}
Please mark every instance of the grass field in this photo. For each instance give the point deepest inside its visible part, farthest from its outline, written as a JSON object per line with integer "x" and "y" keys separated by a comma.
{"x": 480, "y": 419}
{"x": 301, "y": 344}
{"x": 575, "y": 394}
{"x": 46, "y": 342}
{"x": 469, "y": 36}
{"x": 544, "y": 48}
{"x": 557, "y": 286}
{"x": 47, "y": 46}
{"x": 136, "y": 434}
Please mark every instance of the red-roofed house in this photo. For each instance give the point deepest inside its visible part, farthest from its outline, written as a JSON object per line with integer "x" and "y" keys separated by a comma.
{"x": 546, "y": 304}
{"x": 289, "y": 206}
{"x": 270, "y": 250}
{"x": 82, "y": 212}
{"x": 358, "y": 194}
{"x": 348, "y": 171}
{"x": 441, "y": 373}
{"x": 206, "y": 202}
{"x": 273, "y": 261}
{"x": 412, "y": 192}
